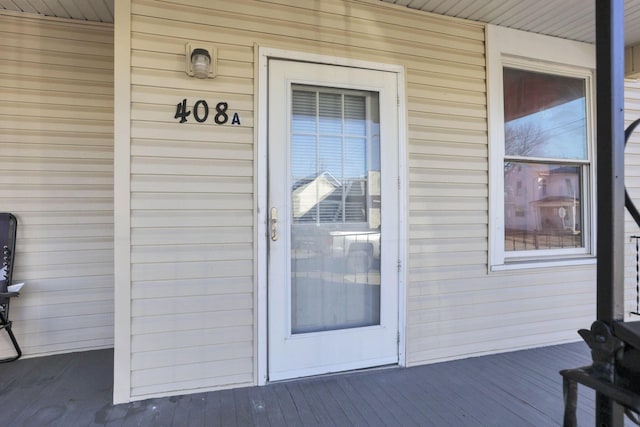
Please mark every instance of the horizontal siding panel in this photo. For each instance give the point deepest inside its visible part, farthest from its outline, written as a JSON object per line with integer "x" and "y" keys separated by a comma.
{"x": 191, "y": 253}
{"x": 184, "y": 339}
{"x": 63, "y": 45}
{"x": 447, "y": 162}
{"x": 43, "y": 123}
{"x": 442, "y": 80}
{"x": 200, "y": 200}
{"x": 165, "y": 271}
{"x": 63, "y": 30}
{"x": 427, "y": 247}
{"x": 159, "y": 78}
{"x": 453, "y": 134}
{"x": 50, "y": 151}
{"x": 28, "y": 110}
{"x": 429, "y": 189}
{"x": 159, "y": 166}
{"x": 58, "y": 204}
{"x": 191, "y": 304}
{"x": 87, "y": 62}
{"x": 205, "y": 132}
{"x": 211, "y": 149}
{"x": 10, "y": 163}
{"x": 31, "y": 259}
{"x": 442, "y": 218}
{"x": 438, "y": 148}
{"x": 443, "y": 121}
{"x": 457, "y": 109}
{"x": 446, "y": 285}
{"x": 45, "y": 84}
{"x": 75, "y": 101}
{"x": 33, "y": 178}
{"x": 77, "y": 269}
{"x": 66, "y": 323}
{"x": 478, "y": 176}
{"x": 191, "y": 355}
{"x": 64, "y": 297}
{"x": 65, "y": 244}
{"x": 450, "y": 94}
{"x": 447, "y": 231}
{"x": 191, "y": 287}
{"x": 446, "y": 203}
{"x": 170, "y": 97}
{"x": 193, "y": 218}
{"x": 64, "y": 72}
{"x": 41, "y": 191}
{"x": 443, "y": 258}
{"x": 190, "y": 183}
{"x": 494, "y": 312}
{"x": 50, "y": 312}
{"x": 191, "y": 235}
{"x": 28, "y": 136}
{"x": 186, "y": 322}
{"x": 192, "y": 372}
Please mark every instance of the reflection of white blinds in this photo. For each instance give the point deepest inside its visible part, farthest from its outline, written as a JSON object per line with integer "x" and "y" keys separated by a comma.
{"x": 329, "y": 155}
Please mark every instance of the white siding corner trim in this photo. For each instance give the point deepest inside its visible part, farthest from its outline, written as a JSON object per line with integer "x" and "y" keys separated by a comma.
{"x": 122, "y": 204}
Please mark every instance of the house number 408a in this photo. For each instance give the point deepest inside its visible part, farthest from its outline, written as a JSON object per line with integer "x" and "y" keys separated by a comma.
{"x": 201, "y": 112}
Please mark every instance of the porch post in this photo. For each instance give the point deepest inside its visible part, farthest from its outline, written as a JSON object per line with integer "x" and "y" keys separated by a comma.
{"x": 610, "y": 175}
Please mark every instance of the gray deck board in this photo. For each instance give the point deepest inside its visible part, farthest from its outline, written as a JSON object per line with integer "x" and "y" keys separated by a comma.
{"x": 521, "y": 388}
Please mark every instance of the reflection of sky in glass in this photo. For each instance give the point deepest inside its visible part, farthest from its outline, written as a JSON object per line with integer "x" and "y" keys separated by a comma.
{"x": 558, "y": 132}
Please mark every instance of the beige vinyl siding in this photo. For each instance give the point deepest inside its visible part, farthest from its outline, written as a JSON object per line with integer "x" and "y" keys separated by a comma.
{"x": 56, "y": 176}
{"x": 192, "y": 191}
{"x": 632, "y": 182}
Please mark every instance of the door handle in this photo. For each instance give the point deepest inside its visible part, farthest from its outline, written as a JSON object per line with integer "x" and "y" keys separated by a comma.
{"x": 274, "y": 224}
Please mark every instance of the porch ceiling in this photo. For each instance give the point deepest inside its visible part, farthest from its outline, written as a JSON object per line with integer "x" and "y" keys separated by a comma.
{"x": 570, "y": 19}
{"x": 84, "y": 10}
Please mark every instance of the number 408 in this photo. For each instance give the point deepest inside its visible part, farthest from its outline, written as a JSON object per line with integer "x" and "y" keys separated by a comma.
{"x": 201, "y": 112}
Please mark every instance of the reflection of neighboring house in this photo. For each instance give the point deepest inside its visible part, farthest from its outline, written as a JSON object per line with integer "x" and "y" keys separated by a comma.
{"x": 310, "y": 192}
{"x": 543, "y": 200}
{"x": 557, "y": 213}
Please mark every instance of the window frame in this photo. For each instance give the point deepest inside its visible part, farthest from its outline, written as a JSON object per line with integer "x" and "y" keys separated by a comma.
{"x": 533, "y": 52}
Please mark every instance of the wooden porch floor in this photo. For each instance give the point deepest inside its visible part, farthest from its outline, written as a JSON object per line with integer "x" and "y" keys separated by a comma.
{"x": 521, "y": 388}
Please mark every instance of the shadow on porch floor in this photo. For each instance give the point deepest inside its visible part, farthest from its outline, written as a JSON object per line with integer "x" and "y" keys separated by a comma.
{"x": 521, "y": 388}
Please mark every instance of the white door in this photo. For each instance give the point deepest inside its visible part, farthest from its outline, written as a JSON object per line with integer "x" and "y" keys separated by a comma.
{"x": 333, "y": 219}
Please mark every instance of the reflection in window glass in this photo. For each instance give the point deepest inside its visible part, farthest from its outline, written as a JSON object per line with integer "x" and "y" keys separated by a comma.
{"x": 545, "y": 115}
{"x": 543, "y": 206}
{"x": 546, "y": 159}
{"x": 335, "y": 195}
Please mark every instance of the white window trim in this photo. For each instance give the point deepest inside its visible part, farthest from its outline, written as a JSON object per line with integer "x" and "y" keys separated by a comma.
{"x": 546, "y": 54}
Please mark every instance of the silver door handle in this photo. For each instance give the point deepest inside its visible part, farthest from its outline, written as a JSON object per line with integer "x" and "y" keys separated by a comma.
{"x": 274, "y": 224}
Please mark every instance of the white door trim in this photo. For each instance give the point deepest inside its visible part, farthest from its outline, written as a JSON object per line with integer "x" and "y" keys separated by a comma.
{"x": 261, "y": 236}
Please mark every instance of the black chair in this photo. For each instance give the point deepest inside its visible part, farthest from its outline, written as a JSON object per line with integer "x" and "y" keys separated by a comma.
{"x": 8, "y": 228}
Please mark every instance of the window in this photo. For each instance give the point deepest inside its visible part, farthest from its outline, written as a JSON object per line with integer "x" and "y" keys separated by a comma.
{"x": 541, "y": 168}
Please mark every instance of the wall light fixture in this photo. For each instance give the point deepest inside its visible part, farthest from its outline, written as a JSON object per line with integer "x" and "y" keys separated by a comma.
{"x": 200, "y": 61}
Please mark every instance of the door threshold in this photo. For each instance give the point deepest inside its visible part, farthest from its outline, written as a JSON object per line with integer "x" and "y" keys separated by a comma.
{"x": 337, "y": 374}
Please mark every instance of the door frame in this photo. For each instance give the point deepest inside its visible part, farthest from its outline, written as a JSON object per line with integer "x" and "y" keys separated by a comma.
{"x": 261, "y": 57}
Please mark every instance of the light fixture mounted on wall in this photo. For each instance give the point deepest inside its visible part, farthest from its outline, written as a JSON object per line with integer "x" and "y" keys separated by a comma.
{"x": 201, "y": 61}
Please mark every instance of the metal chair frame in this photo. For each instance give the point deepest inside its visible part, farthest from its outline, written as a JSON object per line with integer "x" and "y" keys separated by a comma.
{"x": 8, "y": 231}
